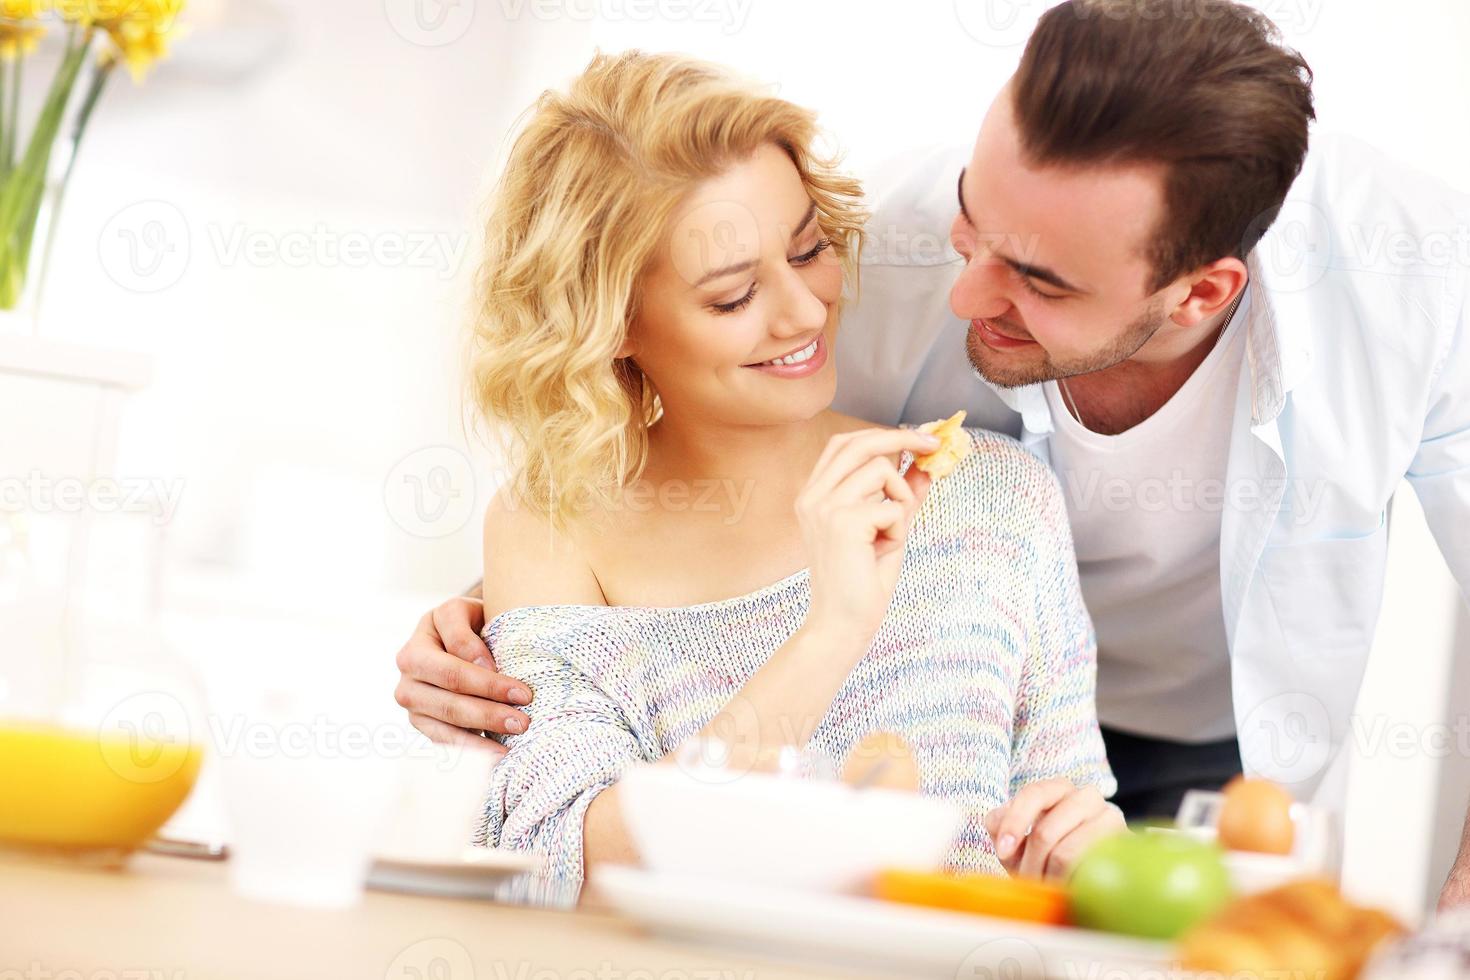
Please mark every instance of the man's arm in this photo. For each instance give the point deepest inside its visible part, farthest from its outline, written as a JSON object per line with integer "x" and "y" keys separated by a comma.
{"x": 1440, "y": 475}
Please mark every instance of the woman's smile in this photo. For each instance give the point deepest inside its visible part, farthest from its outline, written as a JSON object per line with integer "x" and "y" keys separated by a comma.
{"x": 799, "y": 363}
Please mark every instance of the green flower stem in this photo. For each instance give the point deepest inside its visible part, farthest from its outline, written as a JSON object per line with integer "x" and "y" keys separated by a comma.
{"x": 101, "y": 72}
{"x": 6, "y": 116}
{"x": 24, "y": 186}
{"x": 12, "y": 115}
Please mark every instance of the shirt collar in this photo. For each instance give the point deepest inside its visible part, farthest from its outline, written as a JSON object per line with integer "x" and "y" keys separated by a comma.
{"x": 1279, "y": 333}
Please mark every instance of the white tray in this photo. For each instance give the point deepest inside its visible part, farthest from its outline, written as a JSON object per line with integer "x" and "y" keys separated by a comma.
{"x": 869, "y": 935}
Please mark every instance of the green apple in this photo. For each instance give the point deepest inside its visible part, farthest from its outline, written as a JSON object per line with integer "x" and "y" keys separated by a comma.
{"x": 1148, "y": 884}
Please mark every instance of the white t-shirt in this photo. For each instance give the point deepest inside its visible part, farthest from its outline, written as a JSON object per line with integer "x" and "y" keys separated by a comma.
{"x": 1146, "y": 507}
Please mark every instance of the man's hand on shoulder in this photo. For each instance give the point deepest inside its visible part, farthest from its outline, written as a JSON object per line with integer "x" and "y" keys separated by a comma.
{"x": 448, "y": 682}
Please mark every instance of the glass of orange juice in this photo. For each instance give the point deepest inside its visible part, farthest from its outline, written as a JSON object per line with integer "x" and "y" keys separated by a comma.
{"x": 100, "y": 728}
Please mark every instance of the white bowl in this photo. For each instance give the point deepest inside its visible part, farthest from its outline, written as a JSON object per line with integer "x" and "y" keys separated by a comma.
{"x": 779, "y": 830}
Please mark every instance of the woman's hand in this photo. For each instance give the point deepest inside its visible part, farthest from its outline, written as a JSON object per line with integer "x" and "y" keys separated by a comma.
{"x": 855, "y": 513}
{"x": 1046, "y": 828}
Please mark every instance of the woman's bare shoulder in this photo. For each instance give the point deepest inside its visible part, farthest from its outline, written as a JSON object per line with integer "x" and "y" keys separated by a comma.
{"x": 528, "y": 562}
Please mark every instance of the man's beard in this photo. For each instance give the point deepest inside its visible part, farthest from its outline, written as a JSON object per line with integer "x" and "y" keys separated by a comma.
{"x": 988, "y": 363}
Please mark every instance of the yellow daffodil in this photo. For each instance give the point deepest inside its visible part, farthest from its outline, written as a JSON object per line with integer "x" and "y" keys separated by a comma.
{"x": 17, "y": 35}
{"x": 23, "y": 9}
{"x": 139, "y": 29}
{"x": 17, "y": 40}
{"x": 137, "y": 34}
{"x": 140, "y": 45}
{"x": 97, "y": 11}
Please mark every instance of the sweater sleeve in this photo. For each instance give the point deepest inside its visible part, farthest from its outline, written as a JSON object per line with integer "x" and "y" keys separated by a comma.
{"x": 578, "y": 743}
{"x": 1056, "y": 728}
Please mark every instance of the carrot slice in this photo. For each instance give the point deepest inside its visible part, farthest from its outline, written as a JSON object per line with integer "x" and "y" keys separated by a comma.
{"x": 1006, "y": 898}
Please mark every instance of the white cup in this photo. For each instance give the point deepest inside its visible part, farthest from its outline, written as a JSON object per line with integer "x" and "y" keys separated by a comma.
{"x": 307, "y": 780}
{"x": 303, "y": 828}
{"x": 440, "y": 797}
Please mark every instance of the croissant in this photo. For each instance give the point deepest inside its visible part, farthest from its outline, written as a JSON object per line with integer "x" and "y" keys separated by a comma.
{"x": 954, "y": 445}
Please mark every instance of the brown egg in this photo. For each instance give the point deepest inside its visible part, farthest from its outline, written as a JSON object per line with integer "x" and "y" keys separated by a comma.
{"x": 1256, "y": 816}
{"x": 882, "y": 759}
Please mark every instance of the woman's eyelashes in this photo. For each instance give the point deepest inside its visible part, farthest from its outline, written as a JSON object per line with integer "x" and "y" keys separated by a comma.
{"x": 810, "y": 256}
{"x": 805, "y": 258}
{"x": 738, "y": 304}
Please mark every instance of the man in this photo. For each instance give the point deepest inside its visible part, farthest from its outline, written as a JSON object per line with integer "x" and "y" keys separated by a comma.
{"x": 1230, "y": 352}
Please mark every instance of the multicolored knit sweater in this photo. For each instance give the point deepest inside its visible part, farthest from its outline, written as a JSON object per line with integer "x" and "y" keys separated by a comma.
{"x": 985, "y": 664}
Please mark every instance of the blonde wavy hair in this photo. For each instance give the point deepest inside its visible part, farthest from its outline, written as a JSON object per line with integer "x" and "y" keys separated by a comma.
{"x": 574, "y": 222}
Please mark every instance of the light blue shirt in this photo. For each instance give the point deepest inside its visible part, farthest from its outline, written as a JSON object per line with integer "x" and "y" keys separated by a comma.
{"x": 1358, "y": 356}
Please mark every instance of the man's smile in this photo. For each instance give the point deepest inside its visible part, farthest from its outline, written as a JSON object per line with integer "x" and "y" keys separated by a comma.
{"x": 993, "y": 338}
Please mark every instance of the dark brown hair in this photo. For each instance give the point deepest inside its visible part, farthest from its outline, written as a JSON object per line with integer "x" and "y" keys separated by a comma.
{"x": 1203, "y": 87}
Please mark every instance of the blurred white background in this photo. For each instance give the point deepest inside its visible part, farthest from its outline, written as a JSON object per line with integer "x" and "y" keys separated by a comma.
{"x": 283, "y": 219}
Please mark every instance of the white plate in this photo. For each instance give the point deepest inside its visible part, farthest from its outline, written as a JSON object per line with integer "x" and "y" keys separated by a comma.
{"x": 479, "y": 873}
{"x": 870, "y": 935}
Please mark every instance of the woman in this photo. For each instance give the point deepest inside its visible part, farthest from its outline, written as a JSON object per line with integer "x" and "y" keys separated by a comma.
{"x": 695, "y": 544}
